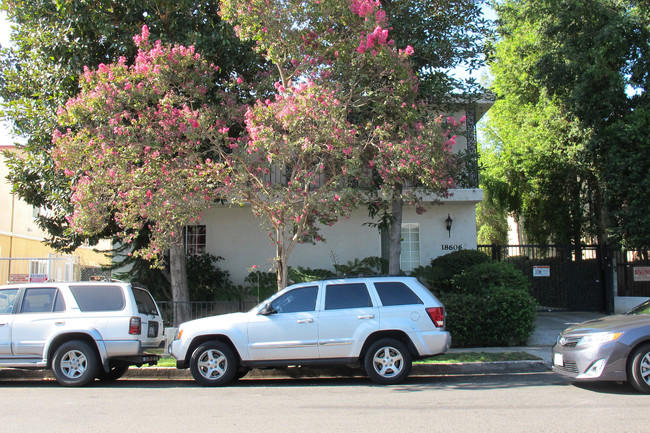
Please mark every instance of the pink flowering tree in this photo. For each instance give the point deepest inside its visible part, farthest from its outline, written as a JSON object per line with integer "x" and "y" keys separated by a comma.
{"x": 345, "y": 46}
{"x": 294, "y": 166}
{"x": 134, "y": 144}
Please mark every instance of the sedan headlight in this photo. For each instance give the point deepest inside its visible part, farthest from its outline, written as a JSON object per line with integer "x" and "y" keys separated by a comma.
{"x": 598, "y": 338}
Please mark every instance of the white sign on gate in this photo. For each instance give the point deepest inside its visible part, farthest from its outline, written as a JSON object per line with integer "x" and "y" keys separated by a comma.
{"x": 541, "y": 271}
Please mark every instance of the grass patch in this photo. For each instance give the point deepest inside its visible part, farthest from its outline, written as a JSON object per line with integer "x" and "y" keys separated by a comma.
{"x": 166, "y": 361}
{"x": 479, "y": 357}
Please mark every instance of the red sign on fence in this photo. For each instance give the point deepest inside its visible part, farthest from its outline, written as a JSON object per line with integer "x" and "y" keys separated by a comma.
{"x": 18, "y": 278}
{"x": 642, "y": 273}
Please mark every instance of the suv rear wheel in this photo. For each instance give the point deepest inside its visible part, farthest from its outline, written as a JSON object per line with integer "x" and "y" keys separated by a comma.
{"x": 75, "y": 363}
{"x": 213, "y": 364}
{"x": 387, "y": 361}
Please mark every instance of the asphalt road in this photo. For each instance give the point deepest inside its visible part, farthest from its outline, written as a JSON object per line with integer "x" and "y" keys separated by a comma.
{"x": 536, "y": 402}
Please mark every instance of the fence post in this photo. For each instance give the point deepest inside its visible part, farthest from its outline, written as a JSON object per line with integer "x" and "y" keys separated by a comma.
{"x": 608, "y": 275}
{"x": 496, "y": 253}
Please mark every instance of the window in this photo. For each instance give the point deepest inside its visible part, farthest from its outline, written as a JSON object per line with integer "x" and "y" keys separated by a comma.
{"x": 396, "y": 293}
{"x": 7, "y": 299}
{"x": 354, "y": 295}
{"x": 145, "y": 302}
{"x": 297, "y": 300}
{"x": 410, "y": 258}
{"x": 42, "y": 300}
{"x": 98, "y": 298}
{"x": 195, "y": 240}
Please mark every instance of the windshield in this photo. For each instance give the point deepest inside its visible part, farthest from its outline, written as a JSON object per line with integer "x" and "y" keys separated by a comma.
{"x": 641, "y": 309}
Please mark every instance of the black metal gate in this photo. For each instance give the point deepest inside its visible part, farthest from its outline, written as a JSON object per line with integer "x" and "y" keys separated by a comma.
{"x": 633, "y": 273}
{"x": 563, "y": 277}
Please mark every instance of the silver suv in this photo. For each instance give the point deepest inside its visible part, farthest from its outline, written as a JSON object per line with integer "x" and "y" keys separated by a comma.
{"x": 81, "y": 331}
{"x": 380, "y": 323}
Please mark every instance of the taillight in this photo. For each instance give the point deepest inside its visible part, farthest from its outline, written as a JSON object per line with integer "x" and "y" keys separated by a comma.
{"x": 135, "y": 326}
{"x": 437, "y": 315}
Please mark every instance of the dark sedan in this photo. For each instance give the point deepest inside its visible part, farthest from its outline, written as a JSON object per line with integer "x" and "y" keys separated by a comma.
{"x": 615, "y": 348}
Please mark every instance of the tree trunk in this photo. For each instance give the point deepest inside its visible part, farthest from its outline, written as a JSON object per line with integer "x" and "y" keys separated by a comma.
{"x": 180, "y": 292}
{"x": 395, "y": 236}
{"x": 281, "y": 260}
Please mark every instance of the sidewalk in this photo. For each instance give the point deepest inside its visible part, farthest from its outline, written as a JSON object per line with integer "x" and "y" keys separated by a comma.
{"x": 547, "y": 327}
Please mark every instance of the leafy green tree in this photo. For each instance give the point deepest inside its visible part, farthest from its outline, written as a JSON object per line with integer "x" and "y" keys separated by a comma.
{"x": 444, "y": 34}
{"x": 588, "y": 62}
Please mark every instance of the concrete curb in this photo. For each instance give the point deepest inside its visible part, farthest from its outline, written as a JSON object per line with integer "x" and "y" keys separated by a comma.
{"x": 420, "y": 370}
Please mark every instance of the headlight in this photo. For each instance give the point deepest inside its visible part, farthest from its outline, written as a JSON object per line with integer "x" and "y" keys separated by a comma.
{"x": 179, "y": 334}
{"x": 598, "y": 338}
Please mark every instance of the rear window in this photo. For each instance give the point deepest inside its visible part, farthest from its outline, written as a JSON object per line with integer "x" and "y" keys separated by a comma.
{"x": 144, "y": 301}
{"x": 396, "y": 293}
{"x": 98, "y": 298}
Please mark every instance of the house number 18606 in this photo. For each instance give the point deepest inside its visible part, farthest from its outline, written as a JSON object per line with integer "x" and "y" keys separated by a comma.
{"x": 448, "y": 247}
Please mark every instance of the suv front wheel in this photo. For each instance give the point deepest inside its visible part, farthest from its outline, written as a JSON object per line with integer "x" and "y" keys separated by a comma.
{"x": 75, "y": 363}
{"x": 213, "y": 364}
{"x": 387, "y": 361}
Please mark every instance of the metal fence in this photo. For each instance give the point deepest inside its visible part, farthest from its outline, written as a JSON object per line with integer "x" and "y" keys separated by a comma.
{"x": 633, "y": 273}
{"x": 54, "y": 267}
{"x": 562, "y": 277}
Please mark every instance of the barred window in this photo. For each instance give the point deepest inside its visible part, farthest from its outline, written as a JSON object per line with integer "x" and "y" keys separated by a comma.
{"x": 195, "y": 240}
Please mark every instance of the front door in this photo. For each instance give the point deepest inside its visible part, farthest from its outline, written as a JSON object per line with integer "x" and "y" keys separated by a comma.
{"x": 41, "y": 312}
{"x": 290, "y": 331}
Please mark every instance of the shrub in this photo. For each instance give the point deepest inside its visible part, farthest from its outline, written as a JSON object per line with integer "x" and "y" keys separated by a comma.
{"x": 206, "y": 281}
{"x": 499, "y": 316}
{"x": 488, "y": 303}
{"x": 301, "y": 275}
{"x": 261, "y": 285}
{"x": 366, "y": 266}
{"x": 484, "y": 276}
{"x": 440, "y": 273}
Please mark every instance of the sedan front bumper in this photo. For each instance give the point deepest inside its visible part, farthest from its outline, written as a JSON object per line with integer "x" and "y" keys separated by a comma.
{"x": 600, "y": 362}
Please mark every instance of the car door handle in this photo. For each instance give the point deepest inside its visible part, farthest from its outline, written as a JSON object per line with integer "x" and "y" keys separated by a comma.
{"x": 59, "y": 323}
{"x": 306, "y": 321}
{"x": 3, "y": 324}
{"x": 366, "y": 316}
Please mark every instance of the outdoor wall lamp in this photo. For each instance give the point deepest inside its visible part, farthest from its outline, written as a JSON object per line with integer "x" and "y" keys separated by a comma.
{"x": 448, "y": 223}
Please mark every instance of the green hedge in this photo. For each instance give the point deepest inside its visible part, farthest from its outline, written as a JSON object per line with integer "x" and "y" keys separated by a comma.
{"x": 440, "y": 273}
{"x": 487, "y": 303}
{"x": 498, "y": 317}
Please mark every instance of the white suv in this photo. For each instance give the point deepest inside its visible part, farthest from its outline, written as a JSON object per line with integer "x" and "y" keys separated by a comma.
{"x": 381, "y": 323}
{"x": 81, "y": 331}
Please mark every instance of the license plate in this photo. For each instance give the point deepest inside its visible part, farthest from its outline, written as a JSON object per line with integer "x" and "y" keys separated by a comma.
{"x": 558, "y": 359}
{"x": 153, "y": 330}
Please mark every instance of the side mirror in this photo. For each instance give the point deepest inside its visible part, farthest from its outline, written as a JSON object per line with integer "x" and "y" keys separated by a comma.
{"x": 267, "y": 310}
